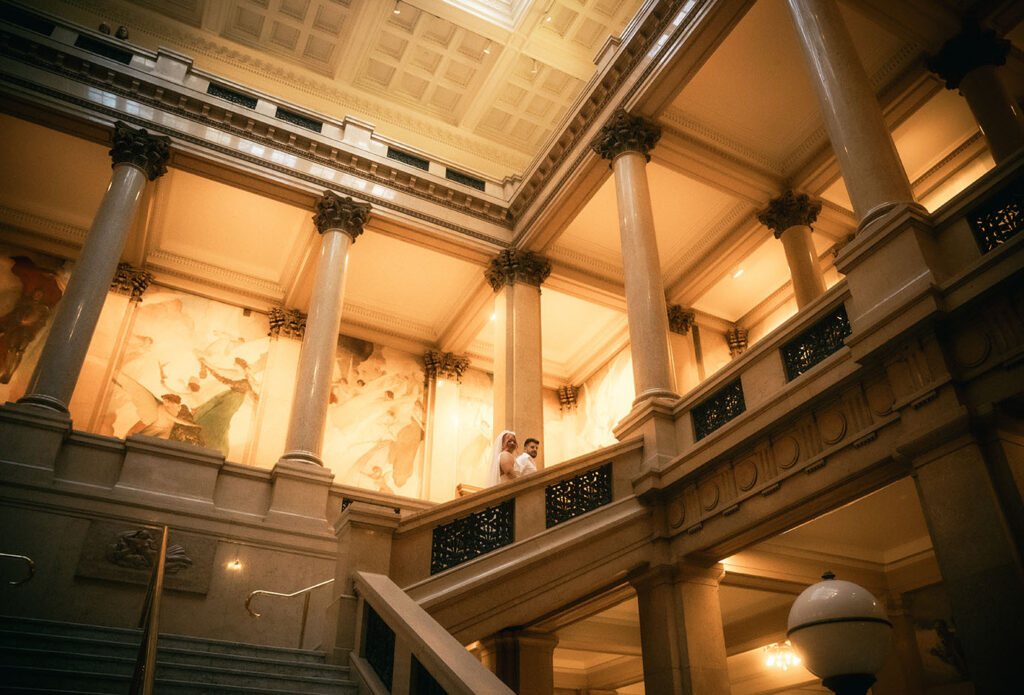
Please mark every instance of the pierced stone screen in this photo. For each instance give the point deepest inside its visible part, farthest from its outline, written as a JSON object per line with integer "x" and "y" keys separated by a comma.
{"x": 472, "y": 536}
{"x": 578, "y": 495}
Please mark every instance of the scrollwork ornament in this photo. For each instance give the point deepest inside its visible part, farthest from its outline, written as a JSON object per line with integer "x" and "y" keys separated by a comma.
{"x": 336, "y": 212}
{"x": 512, "y": 266}
{"x": 789, "y": 210}
{"x": 625, "y": 132}
{"x": 139, "y": 148}
{"x": 679, "y": 319}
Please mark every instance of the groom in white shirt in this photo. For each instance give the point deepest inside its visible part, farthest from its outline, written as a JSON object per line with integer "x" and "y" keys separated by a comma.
{"x": 524, "y": 462}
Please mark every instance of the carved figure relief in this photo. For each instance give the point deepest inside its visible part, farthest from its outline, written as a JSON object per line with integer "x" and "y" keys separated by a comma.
{"x": 138, "y": 549}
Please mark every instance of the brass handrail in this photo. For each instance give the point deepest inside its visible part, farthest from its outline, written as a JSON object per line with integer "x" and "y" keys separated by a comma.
{"x": 145, "y": 661}
{"x": 305, "y": 603}
{"x": 31, "y": 567}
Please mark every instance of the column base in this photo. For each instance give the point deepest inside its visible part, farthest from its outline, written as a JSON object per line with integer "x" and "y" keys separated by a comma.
{"x": 301, "y": 456}
{"x": 43, "y": 401}
{"x": 654, "y": 419}
{"x": 32, "y": 438}
{"x": 298, "y": 497}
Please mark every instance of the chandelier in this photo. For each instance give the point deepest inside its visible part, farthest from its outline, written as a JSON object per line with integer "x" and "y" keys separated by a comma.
{"x": 780, "y": 655}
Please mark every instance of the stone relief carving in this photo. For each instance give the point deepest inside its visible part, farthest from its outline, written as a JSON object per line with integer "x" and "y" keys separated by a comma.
{"x": 625, "y": 132}
{"x": 131, "y": 281}
{"x": 336, "y": 212}
{"x": 444, "y": 364}
{"x": 138, "y": 549}
{"x": 290, "y": 323}
{"x": 679, "y": 319}
{"x": 512, "y": 266}
{"x": 137, "y": 147}
{"x": 789, "y": 210}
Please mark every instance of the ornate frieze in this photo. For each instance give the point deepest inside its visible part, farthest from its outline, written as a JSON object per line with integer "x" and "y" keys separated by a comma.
{"x": 130, "y": 281}
{"x": 737, "y": 339}
{"x": 625, "y": 132}
{"x": 336, "y": 212}
{"x": 290, "y": 323}
{"x": 512, "y": 266}
{"x": 788, "y": 210}
{"x": 968, "y": 50}
{"x": 447, "y": 365}
{"x": 577, "y": 495}
{"x": 679, "y": 319}
{"x": 137, "y": 147}
{"x": 568, "y": 397}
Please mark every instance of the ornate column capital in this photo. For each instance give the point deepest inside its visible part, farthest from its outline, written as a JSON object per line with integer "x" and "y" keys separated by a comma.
{"x": 290, "y": 323}
{"x": 679, "y": 319}
{"x": 444, "y": 364}
{"x": 971, "y": 48}
{"x": 788, "y": 210}
{"x": 737, "y": 339}
{"x": 130, "y": 281}
{"x": 345, "y": 214}
{"x": 625, "y": 132}
{"x": 512, "y": 266}
{"x": 568, "y": 397}
{"x": 137, "y": 147}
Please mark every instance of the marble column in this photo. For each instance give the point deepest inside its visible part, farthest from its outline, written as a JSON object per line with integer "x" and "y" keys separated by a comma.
{"x": 684, "y": 354}
{"x": 522, "y": 659}
{"x": 681, "y": 633}
{"x": 790, "y": 217}
{"x": 626, "y": 141}
{"x": 516, "y": 276}
{"x": 978, "y": 558}
{"x": 970, "y": 62}
{"x": 871, "y": 167}
{"x": 137, "y": 157}
{"x": 339, "y": 221}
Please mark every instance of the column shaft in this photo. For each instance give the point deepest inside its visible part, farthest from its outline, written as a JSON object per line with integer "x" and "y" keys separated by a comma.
{"x": 316, "y": 358}
{"x": 808, "y": 283}
{"x": 871, "y": 167}
{"x": 645, "y": 293}
{"x": 79, "y": 309}
{"x": 995, "y": 109}
{"x": 518, "y": 369}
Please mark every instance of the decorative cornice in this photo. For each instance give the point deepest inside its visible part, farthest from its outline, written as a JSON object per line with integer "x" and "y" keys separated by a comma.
{"x": 137, "y": 147}
{"x": 568, "y": 397}
{"x": 789, "y": 210}
{"x": 972, "y": 48}
{"x": 444, "y": 364}
{"x": 345, "y": 214}
{"x": 625, "y": 132}
{"x": 290, "y": 323}
{"x": 737, "y": 339}
{"x": 512, "y": 266}
{"x": 679, "y": 319}
{"x": 130, "y": 281}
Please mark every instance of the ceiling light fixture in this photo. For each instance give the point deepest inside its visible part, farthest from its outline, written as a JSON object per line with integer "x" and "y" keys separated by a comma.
{"x": 780, "y": 656}
{"x": 547, "y": 12}
{"x": 397, "y": 10}
{"x": 534, "y": 70}
{"x": 487, "y": 47}
{"x": 737, "y": 273}
{"x": 493, "y": 316}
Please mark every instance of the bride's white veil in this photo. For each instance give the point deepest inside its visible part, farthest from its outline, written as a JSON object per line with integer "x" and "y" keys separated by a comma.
{"x": 494, "y": 473}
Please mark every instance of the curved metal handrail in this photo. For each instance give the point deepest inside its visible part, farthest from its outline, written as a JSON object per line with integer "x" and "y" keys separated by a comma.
{"x": 253, "y": 594}
{"x": 31, "y": 567}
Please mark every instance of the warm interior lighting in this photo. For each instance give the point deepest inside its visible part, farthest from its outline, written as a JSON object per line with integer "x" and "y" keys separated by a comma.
{"x": 493, "y": 316}
{"x": 737, "y": 273}
{"x": 397, "y": 10}
{"x": 235, "y": 565}
{"x": 780, "y": 655}
{"x": 534, "y": 70}
{"x": 487, "y": 48}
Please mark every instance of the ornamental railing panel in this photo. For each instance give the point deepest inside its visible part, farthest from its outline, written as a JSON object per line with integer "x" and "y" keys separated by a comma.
{"x": 999, "y": 218}
{"x": 816, "y": 343}
{"x": 717, "y": 409}
{"x": 471, "y": 536}
{"x": 379, "y": 646}
{"x": 578, "y": 495}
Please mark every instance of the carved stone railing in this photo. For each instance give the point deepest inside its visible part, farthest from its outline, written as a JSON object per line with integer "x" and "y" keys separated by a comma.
{"x": 816, "y": 343}
{"x": 471, "y": 536}
{"x": 717, "y": 409}
{"x": 577, "y": 495}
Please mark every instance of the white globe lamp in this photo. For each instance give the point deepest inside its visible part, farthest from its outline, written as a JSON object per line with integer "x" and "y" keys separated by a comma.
{"x": 842, "y": 634}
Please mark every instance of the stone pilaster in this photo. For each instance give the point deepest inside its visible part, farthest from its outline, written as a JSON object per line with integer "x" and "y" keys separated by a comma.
{"x": 682, "y": 344}
{"x": 136, "y": 157}
{"x": 790, "y": 217}
{"x": 971, "y": 62}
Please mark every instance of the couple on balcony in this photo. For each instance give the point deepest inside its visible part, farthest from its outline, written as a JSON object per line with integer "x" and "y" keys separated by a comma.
{"x": 505, "y": 466}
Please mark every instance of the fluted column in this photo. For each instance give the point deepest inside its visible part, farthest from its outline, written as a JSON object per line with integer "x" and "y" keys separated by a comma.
{"x": 970, "y": 62}
{"x": 871, "y": 167}
{"x": 790, "y": 217}
{"x": 516, "y": 276}
{"x": 626, "y": 141}
{"x": 136, "y": 157}
{"x": 339, "y": 222}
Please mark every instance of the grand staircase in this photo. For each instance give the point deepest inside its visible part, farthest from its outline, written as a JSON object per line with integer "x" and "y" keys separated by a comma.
{"x": 40, "y": 656}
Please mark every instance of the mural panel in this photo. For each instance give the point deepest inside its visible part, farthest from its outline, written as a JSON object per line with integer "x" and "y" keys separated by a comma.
{"x": 375, "y": 420}
{"x": 30, "y": 286}
{"x": 604, "y": 399}
{"x": 476, "y": 430}
{"x": 191, "y": 371}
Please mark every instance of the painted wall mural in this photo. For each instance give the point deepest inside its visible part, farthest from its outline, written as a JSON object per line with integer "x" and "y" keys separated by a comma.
{"x": 604, "y": 399}
{"x": 190, "y": 372}
{"x": 476, "y": 430}
{"x": 30, "y": 286}
{"x": 376, "y": 418}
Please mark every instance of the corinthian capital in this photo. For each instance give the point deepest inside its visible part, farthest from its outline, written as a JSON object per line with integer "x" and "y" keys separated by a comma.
{"x": 335, "y": 212}
{"x": 444, "y": 364}
{"x": 679, "y": 319}
{"x": 968, "y": 50}
{"x": 130, "y": 281}
{"x": 513, "y": 265}
{"x": 626, "y": 133}
{"x": 788, "y": 210}
{"x": 137, "y": 147}
{"x": 290, "y": 323}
